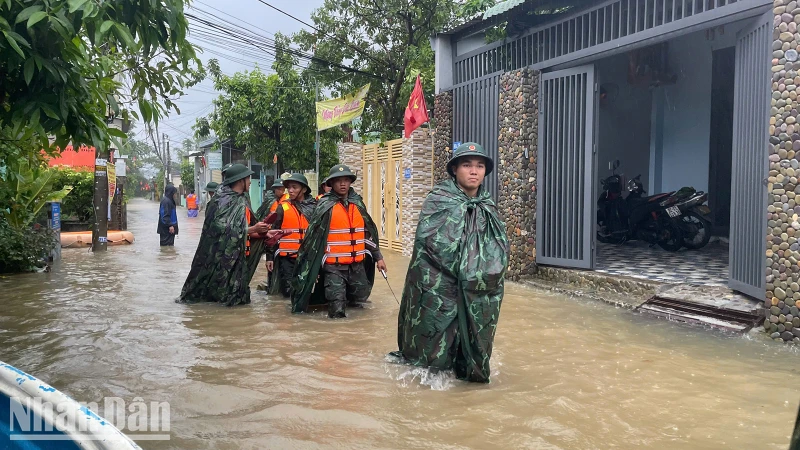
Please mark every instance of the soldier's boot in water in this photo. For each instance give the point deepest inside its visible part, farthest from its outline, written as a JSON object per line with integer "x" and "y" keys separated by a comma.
{"x": 336, "y": 309}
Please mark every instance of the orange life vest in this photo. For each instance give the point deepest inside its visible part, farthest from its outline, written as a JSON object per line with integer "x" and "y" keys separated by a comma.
{"x": 297, "y": 224}
{"x": 274, "y": 206}
{"x": 247, "y": 216}
{"x": 191, "y": 201}
{"x": 347, "y": 237}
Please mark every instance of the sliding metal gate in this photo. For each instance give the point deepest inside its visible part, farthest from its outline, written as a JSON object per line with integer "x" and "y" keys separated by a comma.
{"x": 750, "y": 153}
{"x": 565, "y": 169}
{"x": 475, "y": 116}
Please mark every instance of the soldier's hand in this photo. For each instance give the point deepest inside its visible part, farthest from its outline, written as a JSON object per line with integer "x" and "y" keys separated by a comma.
{"x": 270, "y": 265}
{"x": 171, "y": 230}
{"x": 381, "y": 265}
{"x": 260, "y": 227}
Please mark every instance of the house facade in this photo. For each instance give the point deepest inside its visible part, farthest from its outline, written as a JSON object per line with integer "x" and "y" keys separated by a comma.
{"x": 699, "y": 93}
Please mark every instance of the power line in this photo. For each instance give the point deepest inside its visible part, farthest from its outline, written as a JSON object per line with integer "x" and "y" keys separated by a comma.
{"x": 249, "y": 40}
{"x": 363, "y": 52}
{"x": 237, "y": 32}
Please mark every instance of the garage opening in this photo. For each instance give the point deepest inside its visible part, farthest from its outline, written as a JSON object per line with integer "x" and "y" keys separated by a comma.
{"x": 665, "y": 126}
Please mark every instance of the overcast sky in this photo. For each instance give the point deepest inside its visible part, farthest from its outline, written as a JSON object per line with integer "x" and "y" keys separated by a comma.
{"x": 251, "y": 14}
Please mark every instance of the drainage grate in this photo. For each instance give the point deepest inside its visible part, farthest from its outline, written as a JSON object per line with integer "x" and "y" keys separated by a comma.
{"x": 697, "y": 313}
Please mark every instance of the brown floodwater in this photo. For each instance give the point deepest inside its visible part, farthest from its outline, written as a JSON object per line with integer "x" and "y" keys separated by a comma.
{"x": 567, "y": 373}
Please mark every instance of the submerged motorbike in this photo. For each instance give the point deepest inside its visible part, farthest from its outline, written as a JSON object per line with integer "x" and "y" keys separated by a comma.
{"x": 670, "y": 220}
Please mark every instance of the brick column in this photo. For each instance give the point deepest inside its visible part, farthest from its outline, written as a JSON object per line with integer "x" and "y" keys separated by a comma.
{"x": 350, "y": 155}
{"x": 518, "y": 121}
{"x": 443, "y": 134}
{"x": 418, "y": 156}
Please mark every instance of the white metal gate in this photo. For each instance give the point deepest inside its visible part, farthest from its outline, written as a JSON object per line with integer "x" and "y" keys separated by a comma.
{"x": 750, "y": 153}
{"x": 565, "y": 169}
{"x": 475, "y": 117}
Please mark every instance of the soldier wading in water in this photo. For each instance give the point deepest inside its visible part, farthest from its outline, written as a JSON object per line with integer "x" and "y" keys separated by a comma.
{"x": 341, "y": 246}
{"x": 220, "y": 271}
{"x": 292, "y": 215}
{"x": 454, "y": 287}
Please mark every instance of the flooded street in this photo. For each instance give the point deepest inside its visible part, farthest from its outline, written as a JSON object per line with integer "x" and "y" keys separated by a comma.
{"x": 568, "y": 373}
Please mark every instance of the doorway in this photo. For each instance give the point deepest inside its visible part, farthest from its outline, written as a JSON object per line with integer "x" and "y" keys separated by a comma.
{"x": 721, "y": 139}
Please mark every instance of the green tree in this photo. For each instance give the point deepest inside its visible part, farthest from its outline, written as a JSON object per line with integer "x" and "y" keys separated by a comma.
{"x": 78, "y": 204}
{"x": 65, "y": 66}
{"x": 270, "y": 114}
{"x": 385, "y": 37}
{"x": 187, "y": 175}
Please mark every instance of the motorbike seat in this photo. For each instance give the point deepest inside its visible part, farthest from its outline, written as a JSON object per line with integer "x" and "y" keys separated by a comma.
{"x": 657, "y": 197}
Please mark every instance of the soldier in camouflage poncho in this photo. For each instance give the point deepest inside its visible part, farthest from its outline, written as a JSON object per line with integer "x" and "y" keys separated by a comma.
{"x": 219, "y": 270}
{"x": 454, "y": 286}
{"x": 341, "y": 246}
{"x": 794, "y": 444}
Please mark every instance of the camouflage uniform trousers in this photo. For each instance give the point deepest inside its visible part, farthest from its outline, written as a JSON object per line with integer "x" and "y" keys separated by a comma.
{"x": 345, "y": 284}
{"x": 285, "y": 271}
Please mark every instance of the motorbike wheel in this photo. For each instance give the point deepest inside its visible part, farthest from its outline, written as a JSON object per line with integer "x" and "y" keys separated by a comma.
{"x": 696, "y": 230}
{"x": 611, "y": 239}
{"x": 670, "y": 236}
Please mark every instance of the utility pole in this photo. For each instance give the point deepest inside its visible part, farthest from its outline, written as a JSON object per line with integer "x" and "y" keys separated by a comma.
{"x": 165, "y": 142}
{"x": 100, "y": 226}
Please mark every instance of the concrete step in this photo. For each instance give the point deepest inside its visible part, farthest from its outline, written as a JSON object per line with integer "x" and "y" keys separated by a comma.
{"x": 717, "y": 307}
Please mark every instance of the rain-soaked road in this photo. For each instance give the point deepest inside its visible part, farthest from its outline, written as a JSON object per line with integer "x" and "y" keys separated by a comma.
{"x": 568, "y": 374}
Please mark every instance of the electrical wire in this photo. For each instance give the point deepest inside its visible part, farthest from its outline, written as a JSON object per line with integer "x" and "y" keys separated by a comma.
{"x": 264, "y": 45}
{"x": 353, "y": 47}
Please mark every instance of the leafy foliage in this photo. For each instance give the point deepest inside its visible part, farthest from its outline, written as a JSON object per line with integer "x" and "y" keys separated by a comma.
{"x": 78, "y": 204}
{"x": 23, "y": 249}
{"x": 187, "y": 175}
{"x": 31, "y": 186}
{"x": 65, "y": 66}
{"x": 393, "y": 36}
{"x": 270, "y": 114}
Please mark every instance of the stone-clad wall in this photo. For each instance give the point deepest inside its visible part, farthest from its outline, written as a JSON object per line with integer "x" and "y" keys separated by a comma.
{"x": 417, "y": 156}
{"x": 350, "y": 154}
{"x": 783, "y": 249}
{"x": 518, "y": 121}
{"x": 443, "y": 135}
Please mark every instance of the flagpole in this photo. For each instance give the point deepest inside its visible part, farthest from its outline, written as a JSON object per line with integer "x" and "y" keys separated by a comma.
{"x": 316, "y": 99}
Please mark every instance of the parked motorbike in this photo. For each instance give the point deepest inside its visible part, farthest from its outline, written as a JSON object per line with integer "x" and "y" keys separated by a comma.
{"x": 670, "y": 220}
{"x": 694, "y": 218}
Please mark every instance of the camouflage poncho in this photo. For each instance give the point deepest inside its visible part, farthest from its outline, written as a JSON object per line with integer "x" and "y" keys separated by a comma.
{"x": 794, "y": 444}
{"x": 219, "y": 270}
{"x": 312, "y": 251}
{"x": 454, "y": 286}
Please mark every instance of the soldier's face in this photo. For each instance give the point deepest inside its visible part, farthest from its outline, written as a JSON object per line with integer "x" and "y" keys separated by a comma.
{"x": 295, "y": 189}
{"x": 279, "y": 191}
{"x": 341, "y": 185}
{"x": 470, "y": 172}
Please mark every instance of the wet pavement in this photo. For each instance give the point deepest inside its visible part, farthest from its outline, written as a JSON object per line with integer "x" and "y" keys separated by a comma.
{"x": 567, "y": 373}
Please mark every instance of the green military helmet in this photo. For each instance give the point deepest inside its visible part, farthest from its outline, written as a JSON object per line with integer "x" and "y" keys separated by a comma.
{"x": 470, "y": 149}
{"x": 212, "y": 186}
{"x": 340, "y": 170}
{"x": 277, "y": 184}
{"x": 235, "y": 173}
{"x": 299, "y": 178}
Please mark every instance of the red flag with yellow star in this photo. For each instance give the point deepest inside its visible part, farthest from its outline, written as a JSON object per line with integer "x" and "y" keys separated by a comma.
{"x": 416, "y": 111}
